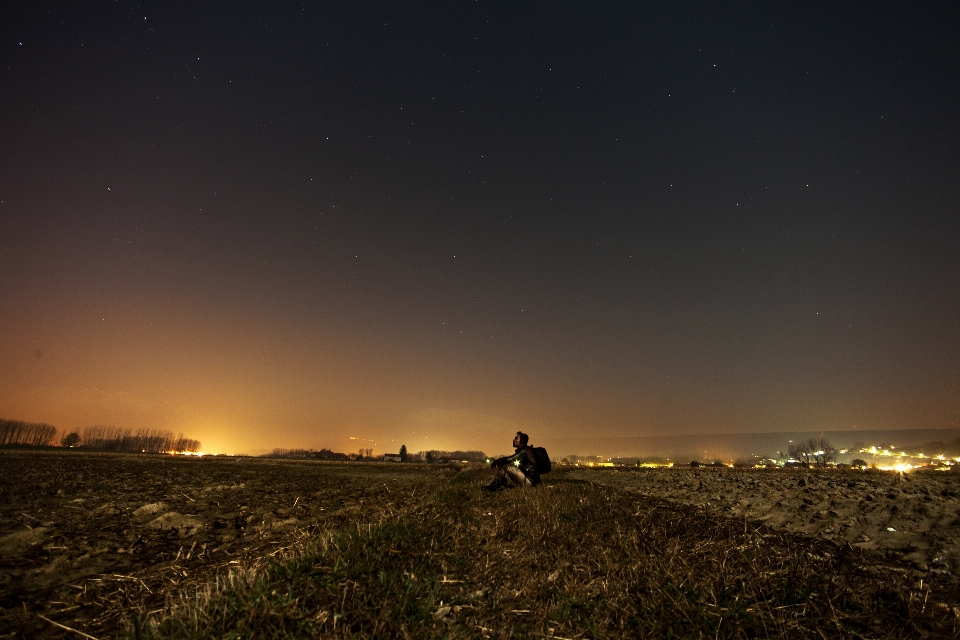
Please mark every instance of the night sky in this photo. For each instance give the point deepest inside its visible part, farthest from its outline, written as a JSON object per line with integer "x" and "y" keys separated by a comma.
{"x": 435, "y": 224}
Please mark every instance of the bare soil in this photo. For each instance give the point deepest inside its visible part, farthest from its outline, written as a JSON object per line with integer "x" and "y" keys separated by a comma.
{"x": 88, "y": 538}
{"x": 913, "y": 517}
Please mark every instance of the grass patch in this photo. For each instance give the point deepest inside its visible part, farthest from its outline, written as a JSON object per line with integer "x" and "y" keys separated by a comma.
{"x": 569, "y": 559}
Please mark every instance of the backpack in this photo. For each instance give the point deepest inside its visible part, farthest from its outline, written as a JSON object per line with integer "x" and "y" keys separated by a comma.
{"x": 543, "y": 460}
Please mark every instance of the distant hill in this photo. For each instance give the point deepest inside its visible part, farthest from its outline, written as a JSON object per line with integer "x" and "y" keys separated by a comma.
{"x": 730, "y": 446}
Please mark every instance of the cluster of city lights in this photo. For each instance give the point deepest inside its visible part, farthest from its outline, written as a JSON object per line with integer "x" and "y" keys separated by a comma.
{"x": 889, "y": 460}
{"x": 901, "y": 460}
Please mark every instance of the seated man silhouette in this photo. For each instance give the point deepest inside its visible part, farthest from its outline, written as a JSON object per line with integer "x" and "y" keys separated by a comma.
{"x": 518, "y": 470}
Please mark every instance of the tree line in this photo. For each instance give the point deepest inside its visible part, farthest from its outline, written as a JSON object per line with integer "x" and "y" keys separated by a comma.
{"x": 143, "y": 440}
{"x": 17, "y": 432}
{"x": 36, "y": 434}
{"x": 434, "y": 454}
{"x": 367, "y": 454}
{"x": 280, "y": 452}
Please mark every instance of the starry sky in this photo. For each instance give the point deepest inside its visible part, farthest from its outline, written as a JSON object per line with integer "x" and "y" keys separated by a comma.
{"x": 369, "y": 224}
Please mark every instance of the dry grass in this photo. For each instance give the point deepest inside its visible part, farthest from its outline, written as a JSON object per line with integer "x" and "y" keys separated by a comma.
{"x": 566, "y": 560}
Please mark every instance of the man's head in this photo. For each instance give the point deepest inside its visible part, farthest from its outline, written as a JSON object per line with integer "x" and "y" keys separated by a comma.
{"x": 521, "y": 439}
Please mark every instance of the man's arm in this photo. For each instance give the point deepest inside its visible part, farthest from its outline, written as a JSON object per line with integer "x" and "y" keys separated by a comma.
{"x": 503, "y": 462}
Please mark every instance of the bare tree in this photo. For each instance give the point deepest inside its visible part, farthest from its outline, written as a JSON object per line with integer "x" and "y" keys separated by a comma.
{"x": 817, "y": 451}
{"x": 799, "y": 451}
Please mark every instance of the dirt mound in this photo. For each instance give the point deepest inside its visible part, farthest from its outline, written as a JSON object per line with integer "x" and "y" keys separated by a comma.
{"x": 150, "y": 509}
{"x": 184, "y": 526}
{"x": 15, "y": 543}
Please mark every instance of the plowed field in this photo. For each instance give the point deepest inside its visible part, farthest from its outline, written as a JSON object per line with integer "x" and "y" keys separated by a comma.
{"x": 86, "y": 537}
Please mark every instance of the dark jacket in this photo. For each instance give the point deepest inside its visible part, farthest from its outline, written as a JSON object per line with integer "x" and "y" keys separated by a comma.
{"x": 522, "y": 458}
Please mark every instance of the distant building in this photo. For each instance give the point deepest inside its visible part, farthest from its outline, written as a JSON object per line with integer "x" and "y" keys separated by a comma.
{"x": 330, "y": 455}
{"x": 392, "y": 457}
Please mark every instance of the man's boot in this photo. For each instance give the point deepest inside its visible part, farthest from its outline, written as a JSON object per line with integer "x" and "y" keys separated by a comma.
{"x": 495, "y": 485}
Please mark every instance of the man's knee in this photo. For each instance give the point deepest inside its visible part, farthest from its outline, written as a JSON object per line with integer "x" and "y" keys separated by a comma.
{"x": 517, "y": 478}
